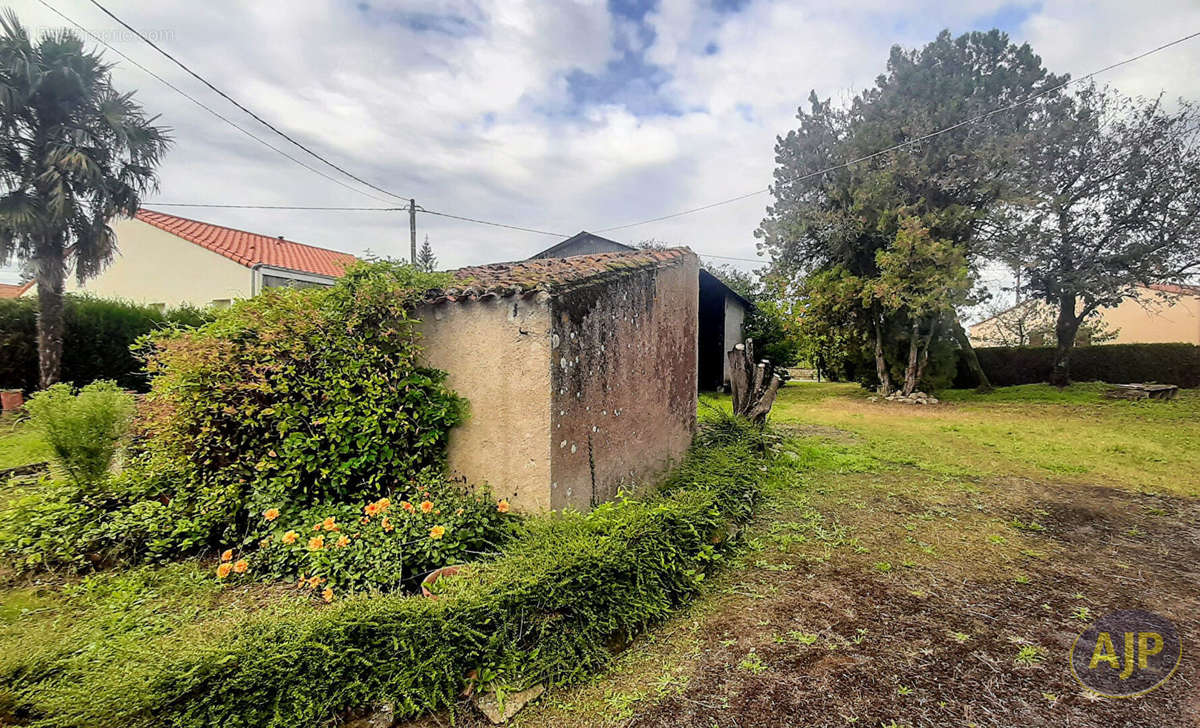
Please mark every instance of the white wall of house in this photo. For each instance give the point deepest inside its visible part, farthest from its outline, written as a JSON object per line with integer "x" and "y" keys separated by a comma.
{"x": 735, "y": 320}
{"x": 156, "y": 267}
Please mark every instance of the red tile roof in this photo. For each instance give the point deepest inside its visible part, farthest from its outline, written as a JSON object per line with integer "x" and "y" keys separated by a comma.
{"x": 553, "y": 275}
{"x": 1183, "y": 290}
{"x": 11, "y": 290}
{"x": 251, "y": 249}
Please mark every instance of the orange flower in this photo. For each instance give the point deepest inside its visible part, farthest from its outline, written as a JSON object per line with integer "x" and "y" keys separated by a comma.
{"x": 315, "y": 581}
{"x": 459, "y": 512}
{"x": 502, "y": 506}
{"x": 342, "y": 541}
{"x": 227, "y": 556}
{"x": 329, "y": 525}
{"x": 383, "y": 504}
{"x": 241, "y": 566}
{"x": 365, "y": 519}
{"x": 271, "y": 514}
{"x": 317, "y": 526}
{"x": 290, "y": 537}
{"x": 387, "y": 525}
{"x": 303, "y": 581}
{"x": 437, "y": 532}
{"x": 407, "y": 506}
{"x": 328, "y": 594}
{"x": 223, "y": 570}
{"x": 265, "y": 542}
{"x": 426, "y": 506}
{"x": 316, "y": 543}
{"x": 371, "y": 509}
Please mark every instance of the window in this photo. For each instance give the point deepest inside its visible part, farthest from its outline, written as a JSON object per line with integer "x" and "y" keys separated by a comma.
{"x": 270, "y": 281}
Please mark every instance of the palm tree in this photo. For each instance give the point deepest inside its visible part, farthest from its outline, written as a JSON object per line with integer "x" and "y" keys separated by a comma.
{"x": 74, "y": 153}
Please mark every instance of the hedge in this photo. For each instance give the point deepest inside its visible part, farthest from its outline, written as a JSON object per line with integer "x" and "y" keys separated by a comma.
{"x": 549, "y": 610}
{"x": 1177, "y": 364}
{"x": 97, "y": 335}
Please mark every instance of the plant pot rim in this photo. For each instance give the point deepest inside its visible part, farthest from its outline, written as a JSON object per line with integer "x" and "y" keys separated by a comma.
{"x": 436, "y": 574}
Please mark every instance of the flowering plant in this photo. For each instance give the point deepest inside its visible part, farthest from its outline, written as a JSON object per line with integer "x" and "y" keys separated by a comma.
{"x": 383, "y": 545}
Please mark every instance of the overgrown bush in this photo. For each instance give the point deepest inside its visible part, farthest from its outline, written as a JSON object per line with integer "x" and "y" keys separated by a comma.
{"x": 295, "y": 399}
{"x": 548, "y": 611}
{"x": 1177, "y": 364}
{"x": 84, "y": 427}
{"x": 97, "y": 337}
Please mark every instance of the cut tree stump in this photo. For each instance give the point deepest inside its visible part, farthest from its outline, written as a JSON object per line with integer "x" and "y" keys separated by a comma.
{"x": 753, "y": 385}
{"x": 1142, "y": 391}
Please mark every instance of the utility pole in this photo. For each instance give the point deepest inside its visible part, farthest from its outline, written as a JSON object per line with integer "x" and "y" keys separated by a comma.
{"x": 412, "y": 230}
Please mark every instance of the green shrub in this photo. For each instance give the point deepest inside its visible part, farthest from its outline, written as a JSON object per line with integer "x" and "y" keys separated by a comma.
{"x": 1177, "y": 364}
{"x": 295, "y": 399}
{"x": 305, "y": 396}
{"x": 97, "y": 336}
{"x": 83, "y": 427}
{"x": 549, "y": 610}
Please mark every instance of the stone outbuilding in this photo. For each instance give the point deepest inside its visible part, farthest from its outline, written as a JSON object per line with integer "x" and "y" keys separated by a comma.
{"x": 580, "y": 372}
{"x": 722, "y": 310}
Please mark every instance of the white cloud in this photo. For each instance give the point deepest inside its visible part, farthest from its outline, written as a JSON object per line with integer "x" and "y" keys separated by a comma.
{"x": 476, "y": 118}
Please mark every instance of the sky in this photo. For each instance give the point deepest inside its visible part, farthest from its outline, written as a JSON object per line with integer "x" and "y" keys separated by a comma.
{"x": 549, "y": 114}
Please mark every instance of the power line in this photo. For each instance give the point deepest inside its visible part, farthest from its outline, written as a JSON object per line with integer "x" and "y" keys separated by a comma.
{"x": 231, "y": 100}
{"x": 910, "y": 142}
{"x": 204, "y": 106}
{"x": 487, "y": 222}
{"x": 730, "y": 257}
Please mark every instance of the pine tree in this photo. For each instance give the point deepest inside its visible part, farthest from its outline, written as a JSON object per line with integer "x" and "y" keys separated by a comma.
{"x": 426, "y": 260}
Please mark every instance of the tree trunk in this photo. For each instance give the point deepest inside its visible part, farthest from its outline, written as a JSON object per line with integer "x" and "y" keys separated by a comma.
{"x": 881, "y": 371}
{"x": 1064, "y": 330}
{"x": 50, "y": 275}
{"x": 925, "y": 350}
{"x": 964, "y": 343}
{"x": 910, "y": 371}
{"x": 753, "y": 386}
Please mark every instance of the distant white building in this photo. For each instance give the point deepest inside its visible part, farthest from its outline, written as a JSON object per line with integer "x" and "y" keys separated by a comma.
{"x": 166, "y": 260}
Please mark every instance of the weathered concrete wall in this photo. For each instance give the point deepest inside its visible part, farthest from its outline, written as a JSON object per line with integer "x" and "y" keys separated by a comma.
{"x": 497, "y": 355}
{"x": 623, "y": 382}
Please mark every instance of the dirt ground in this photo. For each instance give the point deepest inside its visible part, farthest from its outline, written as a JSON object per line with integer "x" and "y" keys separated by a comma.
{"x": 883, "y": 593}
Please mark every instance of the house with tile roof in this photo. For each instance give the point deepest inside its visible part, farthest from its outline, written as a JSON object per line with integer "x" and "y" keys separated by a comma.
{"x": 14, "y": 290}
{"x": 1155, "y": 314}
{"x": 580, "y": 372}
{"x": 167, "y": 260}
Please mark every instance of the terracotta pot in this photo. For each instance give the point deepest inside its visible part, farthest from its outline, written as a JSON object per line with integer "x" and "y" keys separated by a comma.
{"x": 11, "y": 400}
{"x": 437, "y": 574}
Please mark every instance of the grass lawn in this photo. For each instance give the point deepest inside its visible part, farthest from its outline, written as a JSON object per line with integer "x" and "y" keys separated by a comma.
{"x": 20, "y": 444}
{"x": 931, "y": 566}
{"x": 921, "y": 566}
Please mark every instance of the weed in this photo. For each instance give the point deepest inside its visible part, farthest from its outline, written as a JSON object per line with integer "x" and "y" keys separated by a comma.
{"x": 1029, "y": 655}
{"x": 753, "y": 663}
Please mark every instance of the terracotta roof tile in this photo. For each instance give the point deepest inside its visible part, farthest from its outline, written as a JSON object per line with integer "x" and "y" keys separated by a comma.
{"x": 552, "y": 275}
{"x": 251, "y": 249}
{"x": 12, "y": 290}
{"x": 1184, "y": 290}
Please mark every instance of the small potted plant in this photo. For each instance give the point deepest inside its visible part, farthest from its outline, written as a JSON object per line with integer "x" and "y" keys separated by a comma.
{"x": 436, "y": 574}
